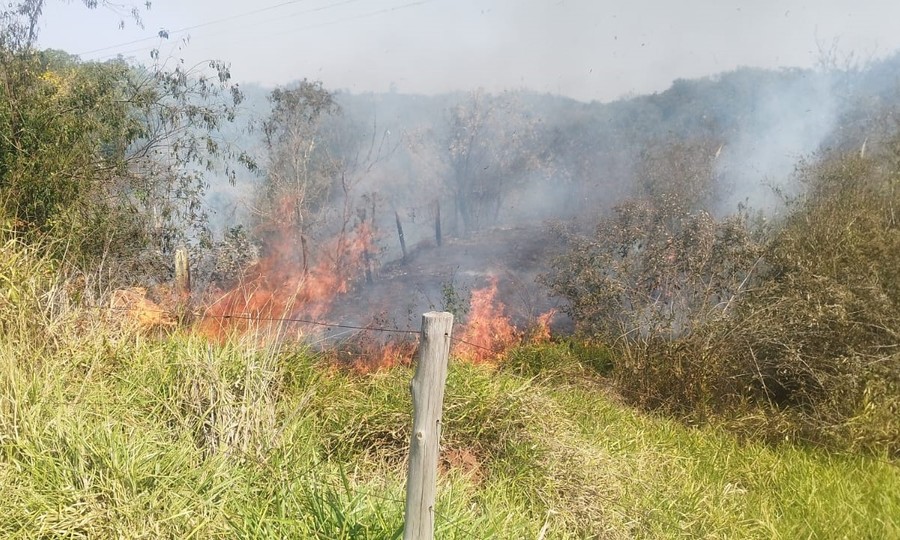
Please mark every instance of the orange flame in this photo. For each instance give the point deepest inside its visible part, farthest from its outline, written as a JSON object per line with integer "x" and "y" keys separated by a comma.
{"x": 377, "y": 356}
{"x": 489, "y": 332}
{"x": 278, "y": 288}
{"x": 133, "y": 302}
{"x": 540, "y": 332}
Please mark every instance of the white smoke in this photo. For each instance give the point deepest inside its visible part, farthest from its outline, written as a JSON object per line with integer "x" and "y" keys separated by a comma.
{"x": 787, "y": 122}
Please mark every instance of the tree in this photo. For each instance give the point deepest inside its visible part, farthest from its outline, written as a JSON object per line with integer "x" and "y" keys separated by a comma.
{"x": 679, "y": 174}
{"x": 660, "y": 264}
{"x": 110, "y": 156}
{"x": 489, "y": 149}
{"x": 317, "y": 159}
{"x": 300, "y": 171}
{"x": 177, "y": 144}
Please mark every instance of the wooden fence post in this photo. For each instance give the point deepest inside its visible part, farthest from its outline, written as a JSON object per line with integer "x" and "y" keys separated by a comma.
{"x": 400, "y": 234}
{"x": 182, "y": 273}
{"x": 427, "y": 389}
{"x": 438, "y": 238}
{"x": 305, "y": 251}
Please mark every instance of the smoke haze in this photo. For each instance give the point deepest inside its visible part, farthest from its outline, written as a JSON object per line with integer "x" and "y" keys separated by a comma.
{"x": 584, "y": 49}
{"x": 507, "y": 114}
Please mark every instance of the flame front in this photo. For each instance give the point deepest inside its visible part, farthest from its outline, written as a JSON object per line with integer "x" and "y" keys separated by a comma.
{"x": 277, "y": 287}
{"x": 540, "y": 332}
{"x": 134, "y": 304}
{"x": 488, "y": 333}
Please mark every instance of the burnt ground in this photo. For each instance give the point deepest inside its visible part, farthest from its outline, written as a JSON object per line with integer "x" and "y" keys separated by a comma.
{"x": 402, "y": 290}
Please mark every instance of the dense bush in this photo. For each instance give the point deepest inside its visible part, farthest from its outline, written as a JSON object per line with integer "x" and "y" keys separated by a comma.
{"x": 823, "y": 326}
{"x": 722, "y": 318}
{"x": 110, "y": 158}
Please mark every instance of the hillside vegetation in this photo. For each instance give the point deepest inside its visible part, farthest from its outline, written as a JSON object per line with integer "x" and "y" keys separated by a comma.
{"x": 783, "y": 331}
{"x": 108, "y": 433}
{"x": 724, "y": 256}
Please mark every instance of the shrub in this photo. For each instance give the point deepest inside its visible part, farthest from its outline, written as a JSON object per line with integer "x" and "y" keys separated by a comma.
{"x": 718, "y": 318}
{"x": 823, "y": 326}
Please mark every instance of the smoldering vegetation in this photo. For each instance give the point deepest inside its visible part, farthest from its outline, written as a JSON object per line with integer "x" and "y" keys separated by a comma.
{"x": 730, "y": 143}
{"x": 734, "y": 237}
{"x": 676, "y": 314}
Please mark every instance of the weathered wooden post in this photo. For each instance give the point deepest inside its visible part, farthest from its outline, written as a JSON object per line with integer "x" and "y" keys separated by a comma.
{"x": 400, "y": 234}
{"x": 182, "y": 273}
{"x": 305, "y": 250}
{"x": 437, "y": 223}
{"x": 182, "y": 285}
{"x": 427, "y": 389}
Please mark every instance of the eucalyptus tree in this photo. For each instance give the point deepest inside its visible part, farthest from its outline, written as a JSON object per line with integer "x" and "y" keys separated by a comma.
{"x": 113, "y": 156}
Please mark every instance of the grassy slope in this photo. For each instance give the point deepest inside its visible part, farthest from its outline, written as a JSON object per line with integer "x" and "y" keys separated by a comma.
{"x": 110, "y": 434}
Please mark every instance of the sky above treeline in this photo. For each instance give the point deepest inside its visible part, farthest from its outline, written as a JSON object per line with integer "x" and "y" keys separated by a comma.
{"x": 584, "y": 49}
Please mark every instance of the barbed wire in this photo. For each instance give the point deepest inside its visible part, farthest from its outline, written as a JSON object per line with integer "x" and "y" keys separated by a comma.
{"x": 247, "y": 317}
{"x": 470, "y": 344}
{"x": 310, "y": 473}
{"x": 312, "y": 322}
{"x": 455, "y": 524}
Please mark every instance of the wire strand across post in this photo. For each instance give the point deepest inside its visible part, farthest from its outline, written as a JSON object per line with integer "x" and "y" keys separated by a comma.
{"x": 427, "y": 389}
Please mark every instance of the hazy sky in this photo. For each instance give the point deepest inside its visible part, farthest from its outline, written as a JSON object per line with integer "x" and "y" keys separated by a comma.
{"x": 586, "y": 49}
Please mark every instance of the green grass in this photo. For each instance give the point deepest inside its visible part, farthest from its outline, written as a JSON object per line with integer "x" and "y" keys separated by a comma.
{"x": 109, "y": 434}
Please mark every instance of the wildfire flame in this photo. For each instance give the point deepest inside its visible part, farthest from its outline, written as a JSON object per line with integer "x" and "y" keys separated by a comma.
{"x": 376, "y": 355}
{"x": 277, "y": 287}
{"x": 141, "y": 310}
{"x": 280, "y": 286}
{"x": 488, "y": 333}
{"x": 540, "y": 332}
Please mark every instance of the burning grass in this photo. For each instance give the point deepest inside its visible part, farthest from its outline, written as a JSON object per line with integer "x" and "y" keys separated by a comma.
{"x": 273, "y": 292}
{"x": 488, "y": 331}
{"x": 134, "y": 305}
{"x": 540, "y": 331}
{"x": 236, "y": 440}
{"x": 279, "y": 287}
{"x": 368, "y": 353}
{"x": 108, "y": 434}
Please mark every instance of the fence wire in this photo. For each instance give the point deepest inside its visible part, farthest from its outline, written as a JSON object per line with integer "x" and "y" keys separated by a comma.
{"x": 257, "y": 318}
